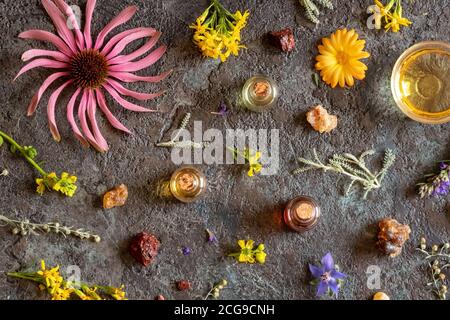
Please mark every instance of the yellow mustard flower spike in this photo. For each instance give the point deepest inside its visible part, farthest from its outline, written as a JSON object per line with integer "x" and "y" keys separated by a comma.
{"x": 338, "y": 59}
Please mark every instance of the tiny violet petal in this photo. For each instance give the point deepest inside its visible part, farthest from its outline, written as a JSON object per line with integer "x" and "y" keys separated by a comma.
{"x": 327, "y": 262}
{"x": 186, "y": 251}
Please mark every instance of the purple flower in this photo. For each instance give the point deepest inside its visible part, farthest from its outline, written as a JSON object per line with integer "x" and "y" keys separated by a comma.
{"x": 326, "y": 276}
{"x": 223, "y": 109}
{"x": 211, "y": 237}
{"x": 186, "y": 251}
{"x": 443, "y": 166}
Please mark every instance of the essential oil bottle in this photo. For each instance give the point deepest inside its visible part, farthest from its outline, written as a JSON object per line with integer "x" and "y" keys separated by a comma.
{"x": 187, "y": 184}
{"x": 302, "y": 214}
{"x": 259, "y": 93}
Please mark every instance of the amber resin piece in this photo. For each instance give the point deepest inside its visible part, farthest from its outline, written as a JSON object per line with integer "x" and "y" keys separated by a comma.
{"x": 320, "y": 120}
{"x": 183, "y": 285}
{"x": 392, "y": 236}
{"x": 381, "y": 296}
{"x": 283, "y": 39}
{"x": 116, "y": 197}
{"x": 144, "y": 248}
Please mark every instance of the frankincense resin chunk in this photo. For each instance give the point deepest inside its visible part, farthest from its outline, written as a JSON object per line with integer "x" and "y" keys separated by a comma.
{"x": 116, "y": 197}
{"x": 320, "y": 120}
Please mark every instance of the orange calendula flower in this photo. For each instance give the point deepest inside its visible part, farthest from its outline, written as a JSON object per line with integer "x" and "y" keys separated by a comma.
{"x": 338, "y": 61}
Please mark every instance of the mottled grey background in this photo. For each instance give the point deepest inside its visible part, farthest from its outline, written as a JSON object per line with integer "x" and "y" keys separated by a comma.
{"x": 236, "y": 207}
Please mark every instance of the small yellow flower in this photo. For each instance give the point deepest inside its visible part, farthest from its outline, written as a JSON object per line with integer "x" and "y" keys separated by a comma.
{"x": 62, "y": 294}
{"x": 118, "y": 293}
{"x": 248, "y": 254}
{"x": 46, "y": 182}
{"x": 51, "y": 278}
{"x": 395, "y": 22}
{"x": 91, "y": 293}
{"x": 66, "y": 184}
{"x": 261, "y": 257}
{"x": 255, "y": 166}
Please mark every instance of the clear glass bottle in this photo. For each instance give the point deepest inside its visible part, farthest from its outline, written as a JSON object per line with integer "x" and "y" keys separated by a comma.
{"x": 302, "y": 214}
{"x": 259, "y": 93}
{"x": 187, "y": 184}
{"x": 420, "y": 82}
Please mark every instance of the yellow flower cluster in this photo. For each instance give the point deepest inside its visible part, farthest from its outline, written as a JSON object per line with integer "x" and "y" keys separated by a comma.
{"x": 251, "y": 157}
{"x": 218, "y": 32}
{"x": 65, "y": 184}
{"x": 392, "y": 14}
{"x": 248, "y": 254}
{"x": 51, "y": 281}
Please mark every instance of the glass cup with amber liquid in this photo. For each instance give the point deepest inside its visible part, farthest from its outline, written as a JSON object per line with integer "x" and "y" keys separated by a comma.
{"x": 420, "y": 82}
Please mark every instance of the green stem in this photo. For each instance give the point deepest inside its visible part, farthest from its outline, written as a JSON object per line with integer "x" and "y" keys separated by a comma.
{"x": 26, "y": 276}
{"x": 22, "y": 151}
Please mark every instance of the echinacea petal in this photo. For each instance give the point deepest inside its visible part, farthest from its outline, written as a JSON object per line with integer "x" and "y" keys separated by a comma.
{"x": 114, "y": 40}
{"x": 111, "y": 118}
{"x": 49, "y": 37}
{"x": 130, "y": 77}
{"x": 37, "y": 97}
{"x": 71, "y": 118}
{"x": 129, "y": 93}
{"x": 90, "y": 5}
{"x": 60, "y": 24}
{"x": 126, "y": 104}
{"x": 51, "y": 110}
{"x": 35, "y": 53}
{"x": 91, "y": 111}
{"x": 120, "y": 46}
{"x": 121, "y": 18}
{"x": 45, "y": 63}
{"x": 139, "y": 52}
{"x": 67, "y": 10}
{"x": 83, "y": 121}
{"x": 141, "y": 64}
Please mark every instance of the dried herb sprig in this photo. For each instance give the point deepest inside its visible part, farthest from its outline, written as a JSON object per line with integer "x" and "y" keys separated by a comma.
{"x": 312, "y": 11}
{"x": 215, "y": 291}
{"x": 436, "y": 184}
{"x": 25, "y": 227}
{"x": 353, "y": 167}
{"x": 173, "y": 143}
{"x": 48, "y": 181}
{"x": 438, "y": 259}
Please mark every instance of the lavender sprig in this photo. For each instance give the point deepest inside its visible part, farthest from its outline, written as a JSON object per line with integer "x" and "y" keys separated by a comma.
{"x": 436, "y": 185}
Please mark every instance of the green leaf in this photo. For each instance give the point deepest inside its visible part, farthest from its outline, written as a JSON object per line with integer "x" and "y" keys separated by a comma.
{"x": 316, "y": 79}
{"x": 13, "y": 148}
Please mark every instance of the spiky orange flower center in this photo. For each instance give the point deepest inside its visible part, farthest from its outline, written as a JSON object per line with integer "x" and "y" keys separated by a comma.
{"x": 89, "y": 69}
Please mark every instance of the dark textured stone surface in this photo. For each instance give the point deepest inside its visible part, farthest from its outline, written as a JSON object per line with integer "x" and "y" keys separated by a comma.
{"x": 237, "y": 207}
